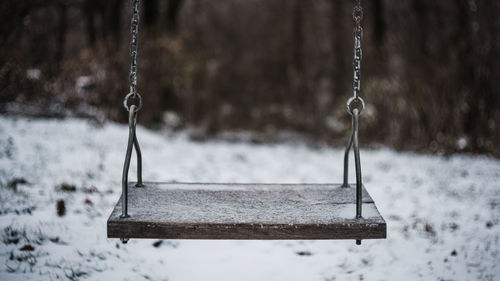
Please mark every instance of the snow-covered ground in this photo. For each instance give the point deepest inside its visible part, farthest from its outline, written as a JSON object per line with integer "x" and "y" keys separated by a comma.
{"x": 443, "y": 213}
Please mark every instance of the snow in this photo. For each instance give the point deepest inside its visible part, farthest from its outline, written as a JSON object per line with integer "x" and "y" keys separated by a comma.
{"x": 310, "y": 204}
{"x": 442, "y": 212}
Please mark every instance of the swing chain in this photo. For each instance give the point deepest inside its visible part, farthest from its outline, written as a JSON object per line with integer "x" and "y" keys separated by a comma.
{"x": 355, "y": 105}
{"x": 134, "y": 30}
{"x": 356, "y": 101}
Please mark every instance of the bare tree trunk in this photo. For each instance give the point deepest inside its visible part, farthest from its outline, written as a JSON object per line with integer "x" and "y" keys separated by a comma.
{"x": 340, "y": 67}
{"x": 378, "y": 23}
{"x": 88, "y": 11}
{"x": 173, "y": 9}
{"x": 61, "y": 34}
{"x": 113, "y": 18}
{"x": 378, "y": 59}
{"x": 150, "y": 12}
{"x": 298, "y": 80}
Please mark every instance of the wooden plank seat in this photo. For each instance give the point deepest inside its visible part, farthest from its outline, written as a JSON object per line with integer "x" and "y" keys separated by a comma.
{"x": 245, "y": 211}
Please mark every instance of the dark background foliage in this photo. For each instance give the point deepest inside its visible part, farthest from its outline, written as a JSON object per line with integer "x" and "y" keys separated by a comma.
{"x": 430, "y": 68}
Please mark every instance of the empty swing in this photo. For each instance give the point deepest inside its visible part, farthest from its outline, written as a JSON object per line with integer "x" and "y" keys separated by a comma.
{"x": 245, "y": 211}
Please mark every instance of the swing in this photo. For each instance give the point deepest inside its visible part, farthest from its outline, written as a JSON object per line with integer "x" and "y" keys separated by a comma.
{"x": 245, "y": 211}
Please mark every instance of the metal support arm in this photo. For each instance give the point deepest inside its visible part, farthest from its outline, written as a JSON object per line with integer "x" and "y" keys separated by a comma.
{"x": 132, "y": 142}
{"x": 354, "y": 142}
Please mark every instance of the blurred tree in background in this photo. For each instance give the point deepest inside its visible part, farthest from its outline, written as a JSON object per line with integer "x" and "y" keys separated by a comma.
{"x": 430, "y": 68}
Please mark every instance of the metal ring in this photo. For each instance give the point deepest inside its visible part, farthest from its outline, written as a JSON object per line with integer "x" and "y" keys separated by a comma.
{"x": 350, "y": 102}
{"x": 127, "y": 97}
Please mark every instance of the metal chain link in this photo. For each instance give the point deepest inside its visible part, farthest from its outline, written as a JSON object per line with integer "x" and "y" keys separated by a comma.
{"x": 134, "y": 30}
{"x": 357, "y": 15}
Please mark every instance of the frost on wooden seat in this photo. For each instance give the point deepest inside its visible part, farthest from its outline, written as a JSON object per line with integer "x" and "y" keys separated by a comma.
{"x": 245, "y": 211}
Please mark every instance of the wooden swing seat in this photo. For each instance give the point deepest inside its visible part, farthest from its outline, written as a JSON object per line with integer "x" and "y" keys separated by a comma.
{"x": 245, "y": 211}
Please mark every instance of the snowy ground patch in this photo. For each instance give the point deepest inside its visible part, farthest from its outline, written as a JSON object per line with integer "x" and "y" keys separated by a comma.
{"x": 59, "y": 180}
